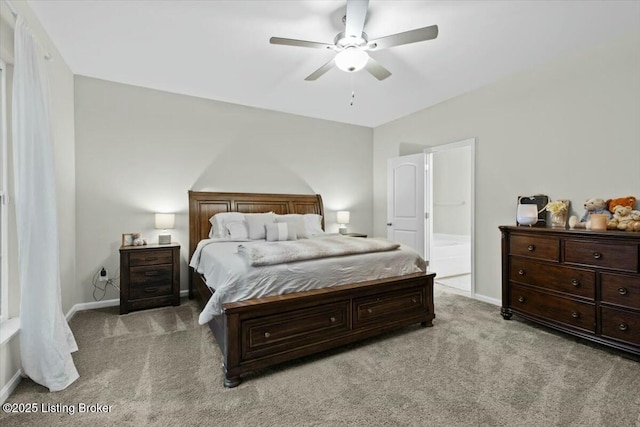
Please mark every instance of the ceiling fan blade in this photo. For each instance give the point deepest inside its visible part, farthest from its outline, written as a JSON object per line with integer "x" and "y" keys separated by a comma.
{"x": 320, "y": 71}
{"x": 301, "y": 43}
{"x": 417, "y": 35}
{"x": 356, "y": 14}
{"x": 377, "y": 70}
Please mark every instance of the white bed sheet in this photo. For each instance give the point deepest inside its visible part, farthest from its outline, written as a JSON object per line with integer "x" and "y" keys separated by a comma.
{"x": 233, "y": 279}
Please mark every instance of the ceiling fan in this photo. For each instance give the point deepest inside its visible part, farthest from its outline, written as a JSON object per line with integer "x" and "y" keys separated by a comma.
{"x": 352, "y": 44}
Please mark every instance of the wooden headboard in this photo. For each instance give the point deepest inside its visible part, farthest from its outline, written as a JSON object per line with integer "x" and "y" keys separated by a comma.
{"x": 203, "y": 205}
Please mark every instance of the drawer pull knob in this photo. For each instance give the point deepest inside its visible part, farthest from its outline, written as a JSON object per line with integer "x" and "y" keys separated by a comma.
{"x": 622, "y": 291}
{"x": 597, "y": 255}
{"x": 575, "y": 314}
{"x": 369, "y": 311}
{"x": 333, "y": 319}
{"x": 575, "y": 282}
{"x": 521, "y": 299}
{"x": 521, "y": 272}
{"x": 623, "y": 326}
{"x": 531, "y": 248}
{"x": 150, "y": 290}
{"x": 413, "y": 300}
{"x": 267, "y": 334}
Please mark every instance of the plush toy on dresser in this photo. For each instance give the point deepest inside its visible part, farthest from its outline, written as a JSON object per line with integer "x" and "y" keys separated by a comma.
{"x": 624, "y": 217}
{"x": 593, "y": 206}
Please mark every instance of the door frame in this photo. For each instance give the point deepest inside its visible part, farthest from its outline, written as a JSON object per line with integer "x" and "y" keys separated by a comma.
{"x": 471, "y": 143}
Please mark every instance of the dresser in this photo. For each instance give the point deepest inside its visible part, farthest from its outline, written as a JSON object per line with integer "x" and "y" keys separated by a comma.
{"x": 581, "y": 282}
{"x": 149, "y": 276}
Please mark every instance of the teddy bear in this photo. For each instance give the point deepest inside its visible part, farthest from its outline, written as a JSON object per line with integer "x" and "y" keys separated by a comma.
{"x": 634, "y": 224}
{"x": 593, "y": 206}
{"x": 137, "y": 240}
{"x": 621, "y": 218}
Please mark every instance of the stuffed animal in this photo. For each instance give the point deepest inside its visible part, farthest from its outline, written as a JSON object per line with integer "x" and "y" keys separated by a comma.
{"x": 137, "y": 240}
{"x": 621, "y": 201}
{"x": 634, "y": 225}
{"x": 593, "y": 206}
{"x": 621, "y": 218}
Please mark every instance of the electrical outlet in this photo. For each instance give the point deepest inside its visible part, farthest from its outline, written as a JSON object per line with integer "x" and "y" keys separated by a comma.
{"x": 103, "y": 275}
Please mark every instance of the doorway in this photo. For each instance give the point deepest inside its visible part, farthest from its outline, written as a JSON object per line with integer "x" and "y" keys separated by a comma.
{"x": 451, "y": 205}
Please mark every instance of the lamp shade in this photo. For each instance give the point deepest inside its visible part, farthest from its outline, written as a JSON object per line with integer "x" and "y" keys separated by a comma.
{"x": 342, "y": 217}
{"x": 165, "y": 220}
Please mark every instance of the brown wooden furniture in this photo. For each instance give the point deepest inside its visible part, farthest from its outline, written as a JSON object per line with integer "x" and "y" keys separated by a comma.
{"x": 149, "y": 276}
{"x": 261, "y": 332}
{"x": 356, "y": 235}
{"x": 581, "y": 282}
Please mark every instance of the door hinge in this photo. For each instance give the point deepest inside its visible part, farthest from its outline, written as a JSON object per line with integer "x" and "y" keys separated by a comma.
{"x": 426, "y": 215}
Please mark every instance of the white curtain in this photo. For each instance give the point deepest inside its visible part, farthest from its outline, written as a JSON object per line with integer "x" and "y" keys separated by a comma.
{"x": 46, "y": 342}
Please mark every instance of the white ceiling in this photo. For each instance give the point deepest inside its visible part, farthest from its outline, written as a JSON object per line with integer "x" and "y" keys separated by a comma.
{"x": 220, "y": 49}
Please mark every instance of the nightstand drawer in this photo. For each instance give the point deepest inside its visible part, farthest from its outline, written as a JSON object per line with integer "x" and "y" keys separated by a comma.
{"x": 150, "y": 281}
{"x": 535, "y": 247}
{"x": 608, "y": 255}
{"x": 150, "y": 258}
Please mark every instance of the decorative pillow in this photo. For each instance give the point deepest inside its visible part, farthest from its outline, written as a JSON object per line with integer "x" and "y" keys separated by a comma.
{"x": 313, "y": 224}
{"x": 257, "y": 223}
{"x": 281, "y": 231}
{"x": 236, "y": 230}
{"x": 217, "y": 223}
{"x": 296, "y": 221}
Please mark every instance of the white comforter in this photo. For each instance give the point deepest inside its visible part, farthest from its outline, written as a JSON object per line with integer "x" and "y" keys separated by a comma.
{"x": 234, "y": 279}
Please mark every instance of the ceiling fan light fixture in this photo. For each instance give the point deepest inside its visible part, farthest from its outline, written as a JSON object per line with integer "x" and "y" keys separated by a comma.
{"x": 351, "y": 60}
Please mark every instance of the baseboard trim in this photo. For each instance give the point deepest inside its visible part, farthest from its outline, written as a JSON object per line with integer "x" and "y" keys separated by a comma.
{"x": 102, "y": 304}
{"x": 487, "y": 299}
{"x": 10, "y": 386}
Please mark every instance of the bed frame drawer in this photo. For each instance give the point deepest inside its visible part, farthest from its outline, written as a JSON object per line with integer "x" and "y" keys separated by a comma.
{"x": 271, "y": 334}
{"x": 388, "y": 307}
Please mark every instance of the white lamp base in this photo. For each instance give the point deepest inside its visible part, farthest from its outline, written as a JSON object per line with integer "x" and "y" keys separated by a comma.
{"x": 164, "y": 239}
{"x": 342, "y": 229}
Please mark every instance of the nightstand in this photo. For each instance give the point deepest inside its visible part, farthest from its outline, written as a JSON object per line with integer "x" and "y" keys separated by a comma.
{"x": 356, "y": 235}
{"x": 149, "y": 276}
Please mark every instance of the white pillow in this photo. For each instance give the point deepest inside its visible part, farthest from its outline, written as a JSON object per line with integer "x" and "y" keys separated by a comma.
{"x": 236, "y": 230}
{"x": 257, "y": 223}
{"x": 313, "y": 224}
{"x": 217, "y": 223}
{"x": 297, "y": 223}
{"x": 280, "y": 231}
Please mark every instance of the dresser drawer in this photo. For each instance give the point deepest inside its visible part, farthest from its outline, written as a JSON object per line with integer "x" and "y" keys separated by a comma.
{"x": 620, "y": 290}
{"x": 619, "y": 256}
{"x": 558, "y": 309}
{"x": 546, "y": 248}
{"x": 287, "y": 331}
{"x": 573, "y": 281}
{"x": 621, "y": 325}
{"x": 150, "y": 257}
{"x": 387, "y": 307}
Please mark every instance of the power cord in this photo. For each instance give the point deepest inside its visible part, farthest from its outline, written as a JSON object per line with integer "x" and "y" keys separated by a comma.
{"x": 96, "y": 287}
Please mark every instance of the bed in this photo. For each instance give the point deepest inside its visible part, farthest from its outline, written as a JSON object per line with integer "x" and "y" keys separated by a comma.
{"x": 260, "y": 332}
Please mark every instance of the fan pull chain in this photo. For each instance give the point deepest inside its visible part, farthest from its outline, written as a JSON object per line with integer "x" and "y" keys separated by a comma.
{"x": 353, "y": 92}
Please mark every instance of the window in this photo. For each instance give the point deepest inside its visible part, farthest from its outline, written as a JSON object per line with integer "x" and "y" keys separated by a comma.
{"x": 4, "y": 285}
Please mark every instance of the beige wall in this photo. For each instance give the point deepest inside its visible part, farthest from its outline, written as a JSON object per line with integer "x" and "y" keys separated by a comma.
{"x": 138, "y": 151}
{"x": 569, "y": 129}
{"x": 61, "y": 84}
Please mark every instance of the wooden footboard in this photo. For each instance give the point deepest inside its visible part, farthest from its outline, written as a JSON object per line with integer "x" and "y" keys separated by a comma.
{"x": 262, "y": 332}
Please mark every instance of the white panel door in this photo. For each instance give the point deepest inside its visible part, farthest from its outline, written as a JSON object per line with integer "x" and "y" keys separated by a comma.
{"x": 406, "y": 213}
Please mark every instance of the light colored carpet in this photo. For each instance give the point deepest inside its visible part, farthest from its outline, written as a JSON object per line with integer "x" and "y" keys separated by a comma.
{"x": 159, "y": 367}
